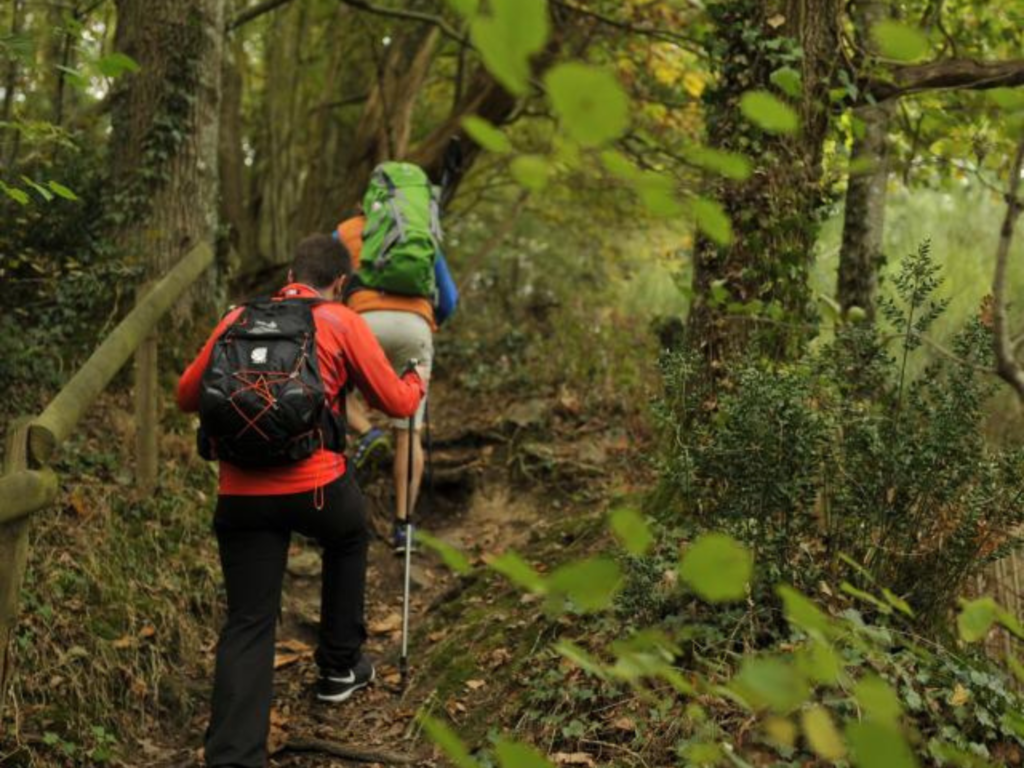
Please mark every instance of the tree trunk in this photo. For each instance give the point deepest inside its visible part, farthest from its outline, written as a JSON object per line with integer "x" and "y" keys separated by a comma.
{"x": 10, "y": 152}
{"x": 860, "y": 257}
{"x": 231, "y": 163}
{"x": 385, "y": 126}
{"x": 165, "y": 122}
{"x": 776, "y": 212}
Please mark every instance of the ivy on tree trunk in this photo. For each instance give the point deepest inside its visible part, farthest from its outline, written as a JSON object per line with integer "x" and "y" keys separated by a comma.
{"x": 776, "y": 212}
{"x": 165, "y": 122}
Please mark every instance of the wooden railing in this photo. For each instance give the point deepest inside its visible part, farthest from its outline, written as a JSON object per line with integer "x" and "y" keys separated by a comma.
{"x": 28, "y": 485}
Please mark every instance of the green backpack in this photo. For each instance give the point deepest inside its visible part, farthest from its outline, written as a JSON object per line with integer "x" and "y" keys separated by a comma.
{"x": 402, "y": 232}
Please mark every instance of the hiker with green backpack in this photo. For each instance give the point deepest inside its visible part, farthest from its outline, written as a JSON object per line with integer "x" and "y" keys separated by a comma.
{"x": 403, "y": 289}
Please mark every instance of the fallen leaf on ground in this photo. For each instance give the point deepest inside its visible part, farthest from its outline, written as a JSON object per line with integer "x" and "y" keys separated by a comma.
{"x": 960, "y": 696}
{"x": 126, "y": 641}
{"x": 624, "y": 724}
{"x": 475, "y": 685}
{"x": 393, "y": 678}
{"x": 294, "y": 646}
{"x": 573, "y": 758}
{"x": 500, "y": 656}
{"x": 147, "y": 631}
{"x": 282, "y": 660}
{"x": 390, "y": 623}
{"x": 437, "y": 636}
{"x": 278, "y": 736}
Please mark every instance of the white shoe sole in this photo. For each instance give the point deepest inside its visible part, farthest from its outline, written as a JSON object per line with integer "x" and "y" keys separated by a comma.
{"x": 346, "y": 695}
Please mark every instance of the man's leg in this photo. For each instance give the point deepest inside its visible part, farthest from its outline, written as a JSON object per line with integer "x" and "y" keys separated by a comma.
{"x": 356, "y": 414}
{"x": 405, "y": 336}
{"x": 341, "y": 529}
{"x": 373, "y": 446}
{"x": 253, "y": 560}
{"x": 402, "y": 469}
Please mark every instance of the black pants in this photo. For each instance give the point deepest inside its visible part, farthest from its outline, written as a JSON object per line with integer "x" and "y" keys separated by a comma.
{"x": 253, "y": 533}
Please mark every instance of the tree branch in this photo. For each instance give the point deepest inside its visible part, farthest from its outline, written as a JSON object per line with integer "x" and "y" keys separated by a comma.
{"x": 652, "y": 32}
{"x": 249, "y": 14}
{"x": 970, "y": 74}
{"x": 1008, "y": 367}
{"x": 427, "y": 18}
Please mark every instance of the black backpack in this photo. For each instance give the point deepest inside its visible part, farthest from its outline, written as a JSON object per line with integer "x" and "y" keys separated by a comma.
{"x": 263, "y": 401}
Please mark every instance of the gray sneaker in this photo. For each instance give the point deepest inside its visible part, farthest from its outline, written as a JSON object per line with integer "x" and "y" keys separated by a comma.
{"x": 336, "y": 686}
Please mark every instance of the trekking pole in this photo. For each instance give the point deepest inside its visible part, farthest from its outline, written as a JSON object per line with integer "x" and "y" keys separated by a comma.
{"x": 403, "y": 661}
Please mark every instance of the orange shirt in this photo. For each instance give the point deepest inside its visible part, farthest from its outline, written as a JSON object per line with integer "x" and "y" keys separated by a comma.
{"x": 366, "y": 300}
{"x": 350, "y": 233}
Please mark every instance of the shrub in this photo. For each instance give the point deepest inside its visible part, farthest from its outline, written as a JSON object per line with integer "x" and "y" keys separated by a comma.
{"x": 838, "y": 468}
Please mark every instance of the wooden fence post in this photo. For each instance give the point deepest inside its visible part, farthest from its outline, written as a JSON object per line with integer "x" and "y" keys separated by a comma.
{"x": 13, "y": 556}
{"x": 147, "y": 412}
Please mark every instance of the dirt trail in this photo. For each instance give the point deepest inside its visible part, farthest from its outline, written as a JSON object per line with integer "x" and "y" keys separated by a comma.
{"x": 472, "y": 506}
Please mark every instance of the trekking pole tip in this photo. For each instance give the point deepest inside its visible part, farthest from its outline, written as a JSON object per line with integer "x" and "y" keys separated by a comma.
{"x": 403, "y": 672}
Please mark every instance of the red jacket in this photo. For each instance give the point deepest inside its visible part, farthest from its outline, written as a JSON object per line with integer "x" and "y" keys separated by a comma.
{"x": 347, "y": 351}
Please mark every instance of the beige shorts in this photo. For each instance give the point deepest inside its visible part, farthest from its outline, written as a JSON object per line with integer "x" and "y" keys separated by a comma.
{"x": 404, "y": 336}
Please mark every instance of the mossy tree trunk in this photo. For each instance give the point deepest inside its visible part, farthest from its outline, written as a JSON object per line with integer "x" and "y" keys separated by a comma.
{"x": 860, "y": 256}
{"x": 165, "y": 121}
{"x": 776, "y": 212}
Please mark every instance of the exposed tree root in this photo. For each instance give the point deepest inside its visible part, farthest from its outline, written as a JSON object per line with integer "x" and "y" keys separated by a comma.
{"x": 333, "y": 748}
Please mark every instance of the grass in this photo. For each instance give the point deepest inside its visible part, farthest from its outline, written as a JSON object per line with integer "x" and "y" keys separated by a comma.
{"x": 119, "y": 604}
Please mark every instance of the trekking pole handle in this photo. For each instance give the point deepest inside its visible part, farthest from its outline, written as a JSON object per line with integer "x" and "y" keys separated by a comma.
{"x": 410, "y": 366}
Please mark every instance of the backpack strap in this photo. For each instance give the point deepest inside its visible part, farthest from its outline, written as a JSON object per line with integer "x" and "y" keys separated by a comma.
{"x": 398, "y": 232}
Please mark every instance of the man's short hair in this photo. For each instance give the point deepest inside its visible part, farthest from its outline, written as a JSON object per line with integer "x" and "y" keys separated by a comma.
{"x": 320, "y": 260}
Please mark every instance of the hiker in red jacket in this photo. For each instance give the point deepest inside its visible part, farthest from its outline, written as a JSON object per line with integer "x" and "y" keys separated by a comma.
{"x": 263, "y": 499}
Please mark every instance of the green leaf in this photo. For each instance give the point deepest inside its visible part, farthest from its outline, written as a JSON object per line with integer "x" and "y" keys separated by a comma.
{"x": 877, "y": 698}
{"x": 465, "y": 8}
{"x": 768, "y": 113}
{"x": 42, "y": 191}
{"x": 801, "y": 612}
{"x": 75, "y": 78}
{"x": 515, "y": 30}
{"x": 447, "y": 740}
{"x": 17, "y": 195}
{"x": 874, "y": 744}
{"x": 512, "y": 754}
{"x": 486, "y": 135}
{"x": 717, "y": 568}
{"x": 518, "y": 571}
{"x": 719, "y": 292}
{"x": 728, "y": 164}
{"x": 1010, "y": 99}
{"x": 657, "y": 193}
{"x": 867, "y": 597}
{"x": 770, "y": 683}
{"x": 116, "y": 64}
{"x": 451, "y": 556}
{"x": 701, "y": 753}
{"x": 591, "y": 584}
{"x": 711, "y": 220}
{"x": 891, "y": 597}
{"x": 976, "y": 618}
{"x": 581, "y": 659}
{"x": 631, "y": 530}
{"x": 822, "y": 734}
{"x": 899, "y": 41}
{"x": 856, "y": 315}
{"x": 617, "y": 164}
{"x": 789, "y": 81}
{"x": 531, "y": 171}
{"x": 589, "y": 102}
{"x": 820, "y": 662}
{"x": 61, "y": 191}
